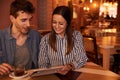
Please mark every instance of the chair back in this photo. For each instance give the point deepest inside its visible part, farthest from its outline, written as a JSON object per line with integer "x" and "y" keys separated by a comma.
{"x": 91, "y": 48}
{"x": 44, "y": 32}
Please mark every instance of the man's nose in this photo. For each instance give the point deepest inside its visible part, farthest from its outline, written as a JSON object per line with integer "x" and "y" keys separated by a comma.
{"x": 28, "y": 23}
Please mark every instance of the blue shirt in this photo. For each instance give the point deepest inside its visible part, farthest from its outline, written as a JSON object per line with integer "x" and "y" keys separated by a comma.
{"x": 8, "y": 46}
{"x": 49, "y": 58}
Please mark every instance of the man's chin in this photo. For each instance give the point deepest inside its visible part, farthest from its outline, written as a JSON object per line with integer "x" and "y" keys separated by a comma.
{"x": 25, "y": 32}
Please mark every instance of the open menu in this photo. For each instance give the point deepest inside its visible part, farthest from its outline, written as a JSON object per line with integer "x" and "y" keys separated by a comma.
{"x": 44, "y": 71}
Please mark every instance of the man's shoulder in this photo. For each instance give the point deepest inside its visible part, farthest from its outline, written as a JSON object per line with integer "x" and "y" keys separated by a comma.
{"x": 4, "y": 31}
{"x": 34, "y": 33}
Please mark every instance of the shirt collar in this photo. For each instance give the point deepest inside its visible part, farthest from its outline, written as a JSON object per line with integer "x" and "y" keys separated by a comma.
{"x": 58, "y": 37}
{"x": 9, "y": 32}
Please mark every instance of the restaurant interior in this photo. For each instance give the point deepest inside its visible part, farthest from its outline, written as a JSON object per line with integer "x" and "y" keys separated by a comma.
{"x": 97, "y": 20}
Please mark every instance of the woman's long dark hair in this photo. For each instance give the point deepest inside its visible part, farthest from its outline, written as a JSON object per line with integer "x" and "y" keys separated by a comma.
{"x": 67, "y": 15}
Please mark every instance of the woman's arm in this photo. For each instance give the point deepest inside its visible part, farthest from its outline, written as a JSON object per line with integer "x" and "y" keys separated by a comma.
{"x": 80, "y": 57}
{"x": 43, "y": 61}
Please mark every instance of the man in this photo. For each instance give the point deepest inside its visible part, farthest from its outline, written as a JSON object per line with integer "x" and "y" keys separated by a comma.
{"x": 18, "y": 43}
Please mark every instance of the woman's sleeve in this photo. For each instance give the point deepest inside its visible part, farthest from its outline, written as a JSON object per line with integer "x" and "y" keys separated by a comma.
{"x": 43, "y": 61}
{"x": 80, "y": 57}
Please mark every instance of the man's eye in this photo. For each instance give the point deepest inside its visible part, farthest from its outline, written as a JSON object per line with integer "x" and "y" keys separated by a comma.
{"x": 23, "y": 20}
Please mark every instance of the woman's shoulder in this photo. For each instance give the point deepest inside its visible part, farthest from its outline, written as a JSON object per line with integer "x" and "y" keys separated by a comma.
{"x": 76, "y": 33}
{"x": 77, "y": 36}
{"x": 46, "y": 37}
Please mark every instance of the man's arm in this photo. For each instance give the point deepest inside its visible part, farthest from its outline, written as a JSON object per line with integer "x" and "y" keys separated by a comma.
{"x": 4, "y": 67}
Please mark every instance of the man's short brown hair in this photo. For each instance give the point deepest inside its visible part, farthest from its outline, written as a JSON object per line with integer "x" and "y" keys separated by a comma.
{"x": 21, "y": 5}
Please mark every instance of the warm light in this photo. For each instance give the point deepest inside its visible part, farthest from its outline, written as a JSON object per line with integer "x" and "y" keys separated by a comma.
{"x": 83, "y": 0}
{"x": 86, "y": 8}
{"x": 109, "y": 8}
{"x": 106, "y": 4}
{"x": 109, "y": 30}
{"x": 116, "y": 4}
{"x": 95, "y": 5}
{"x": 57, "y": 2}
{"x": 74, "y": 13}
{"x": 91, "y": 1}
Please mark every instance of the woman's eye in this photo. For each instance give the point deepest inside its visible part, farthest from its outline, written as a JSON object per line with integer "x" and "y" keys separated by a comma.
{"x": 53, "y": 22}
{"x": 61, "y": 23}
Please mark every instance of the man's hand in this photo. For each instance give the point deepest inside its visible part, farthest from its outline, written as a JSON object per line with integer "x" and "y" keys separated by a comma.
{"x": 5, "y": 68}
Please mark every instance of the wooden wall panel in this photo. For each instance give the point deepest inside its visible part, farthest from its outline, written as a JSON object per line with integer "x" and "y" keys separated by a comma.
{"x": 4, "y": 13}
{"x": 44, "y": 14}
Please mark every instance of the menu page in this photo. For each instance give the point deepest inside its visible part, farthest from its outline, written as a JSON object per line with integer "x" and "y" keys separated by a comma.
{"x": 45, "y": 71}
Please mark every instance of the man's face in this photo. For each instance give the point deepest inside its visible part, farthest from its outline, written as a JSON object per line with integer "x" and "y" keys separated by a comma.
{"x": 22, "y": 22}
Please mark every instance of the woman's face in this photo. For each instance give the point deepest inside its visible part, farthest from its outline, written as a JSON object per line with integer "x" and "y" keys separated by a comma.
{"x": 59, "y": 24}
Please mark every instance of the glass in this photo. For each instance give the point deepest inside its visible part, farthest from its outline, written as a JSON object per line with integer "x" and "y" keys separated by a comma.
{"x": 19, "y": 70}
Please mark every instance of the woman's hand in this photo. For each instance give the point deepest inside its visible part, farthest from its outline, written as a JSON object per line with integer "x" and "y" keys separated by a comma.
{"x": 5, "y": 68}
{"x": 65, "y": 69}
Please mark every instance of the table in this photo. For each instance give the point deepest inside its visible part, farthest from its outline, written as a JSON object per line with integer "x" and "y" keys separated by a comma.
{"x": 90, "y": 71}
{"x": 107, "y": 46}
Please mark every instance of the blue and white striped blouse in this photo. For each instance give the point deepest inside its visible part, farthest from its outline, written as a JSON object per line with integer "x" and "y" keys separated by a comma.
{"x": 49, "y": 58}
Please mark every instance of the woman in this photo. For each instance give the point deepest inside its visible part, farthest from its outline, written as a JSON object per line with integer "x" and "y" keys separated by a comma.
{"x": 63, "y": 46}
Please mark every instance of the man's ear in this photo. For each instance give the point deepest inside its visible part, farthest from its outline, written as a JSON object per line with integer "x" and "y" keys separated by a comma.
{"x": 12, "y": 18}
